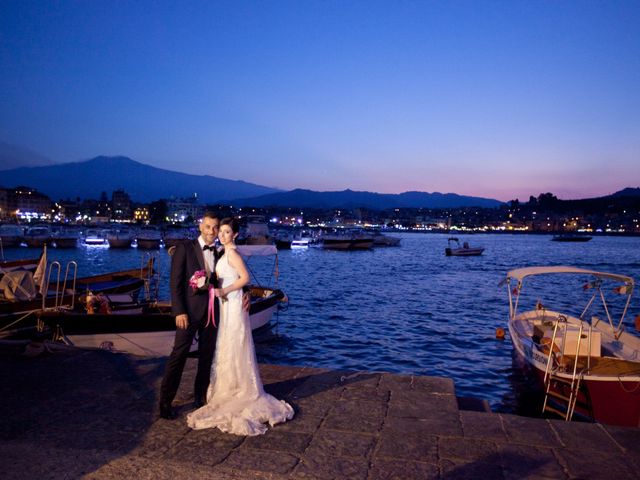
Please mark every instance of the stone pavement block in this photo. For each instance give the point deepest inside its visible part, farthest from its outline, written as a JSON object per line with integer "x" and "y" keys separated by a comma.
{"x": 351, "y": 423}
{"x": 444, "y": 425}
{"x": 393, "y": 383}
{"x": 302, "y": 422}
{"x": 584, "y": 436}
{"x": 399, "y": 445}
{"x": 358, "y": 408}
{"x": 331, "y": 468}
{"x": 160, "y": 438}
{"x": 464, "y": 448}
{"x": 520, "y": 461}
{"x": 365, "y": 392}
{"x": 385, "y": 469}
{"x": 439, "y": 385}
{"x": 22, "y": 460}
{"x": 278, "y": 440}
{"x": 627, "y": 437}
{"x": 203, "y": 447}
{"x": 147, "y": 469}
{"x": 594, "y": 465}
{"x": 529, "y": 431}
{"x": 260, "y": 461}
{"x": 361, "y": 380}
{"x": 488, "y": 468}
{"x": 311, "y": 405}
{"x": 482, "y": 425}
{"x": 329, "y": 443}
{"x": 414, "y": 404}
{"x": 319, "y": 391}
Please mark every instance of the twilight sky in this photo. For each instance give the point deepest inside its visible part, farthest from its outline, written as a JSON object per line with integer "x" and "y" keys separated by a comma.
{"x": 499, "y": 99}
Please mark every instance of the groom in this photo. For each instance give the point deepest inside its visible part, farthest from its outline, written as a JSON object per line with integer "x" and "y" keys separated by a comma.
{"x": 190, "y": 308}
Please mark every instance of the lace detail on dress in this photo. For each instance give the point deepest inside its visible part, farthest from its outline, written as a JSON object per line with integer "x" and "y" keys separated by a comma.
{"x": 236, "y": 400}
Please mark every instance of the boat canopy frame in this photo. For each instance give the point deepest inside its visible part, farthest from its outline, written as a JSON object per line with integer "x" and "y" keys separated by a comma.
{"x": 519, "y": 274}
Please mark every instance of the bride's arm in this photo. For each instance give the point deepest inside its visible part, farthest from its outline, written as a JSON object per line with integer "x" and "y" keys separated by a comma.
{"x": 235, "y": 260}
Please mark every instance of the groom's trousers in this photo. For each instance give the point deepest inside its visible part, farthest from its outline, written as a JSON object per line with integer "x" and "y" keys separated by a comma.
{"x": 175, "y": 365}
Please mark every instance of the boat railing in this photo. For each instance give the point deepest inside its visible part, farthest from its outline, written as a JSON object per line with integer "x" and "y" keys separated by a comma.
{"x": 60, "y": 291}
{"x": 150, "y": 275}
{"x": 70, "y": 264}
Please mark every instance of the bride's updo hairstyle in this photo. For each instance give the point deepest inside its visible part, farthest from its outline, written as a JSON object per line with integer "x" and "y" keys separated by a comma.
{"x": 232, "y": 222}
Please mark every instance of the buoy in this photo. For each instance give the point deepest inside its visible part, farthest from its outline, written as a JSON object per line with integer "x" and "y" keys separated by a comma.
{"x": 500, "y": 333}
{"x": 637, "y": 322}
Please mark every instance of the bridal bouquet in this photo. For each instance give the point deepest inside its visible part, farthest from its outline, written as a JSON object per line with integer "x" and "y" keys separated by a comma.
{"x": 199, "y": 280}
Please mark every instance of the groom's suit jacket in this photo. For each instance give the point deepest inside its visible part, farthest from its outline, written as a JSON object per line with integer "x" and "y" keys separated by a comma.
{"x": 187, "y": 259}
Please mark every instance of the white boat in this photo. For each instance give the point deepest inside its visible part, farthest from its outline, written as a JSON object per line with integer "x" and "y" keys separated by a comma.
{"x": 95, "y": 236}
{"x": 120, "y": 237}
{"x": 149, "y": 237}
{"x": 11, "y": 235}
{"x": 603, "y": 384}
{"x": 37, "y": 236}
{"x": 382, "y": 240}
{"x": 65, "y": 238}
{"x": 454, "y": 249}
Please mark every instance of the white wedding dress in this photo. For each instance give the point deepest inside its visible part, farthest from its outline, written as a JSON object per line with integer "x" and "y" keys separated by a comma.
{"x": 236, "y": 400}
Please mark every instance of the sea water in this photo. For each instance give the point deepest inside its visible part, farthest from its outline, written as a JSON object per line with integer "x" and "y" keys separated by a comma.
{"x": 407, "y": 309}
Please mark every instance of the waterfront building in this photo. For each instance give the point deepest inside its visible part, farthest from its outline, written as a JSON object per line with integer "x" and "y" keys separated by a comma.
{"x": 121, "y": 206}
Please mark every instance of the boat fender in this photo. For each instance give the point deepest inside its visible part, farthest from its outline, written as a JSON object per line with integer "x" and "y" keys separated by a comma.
{"x": 637, "y": 322}
{"x": 500, "y": 333}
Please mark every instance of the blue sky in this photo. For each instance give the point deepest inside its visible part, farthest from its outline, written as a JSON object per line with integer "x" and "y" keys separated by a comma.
{"x": 500, "y": 99}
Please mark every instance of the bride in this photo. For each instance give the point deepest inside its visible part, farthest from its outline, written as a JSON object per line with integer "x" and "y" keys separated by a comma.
{"x": 236, "y": 400}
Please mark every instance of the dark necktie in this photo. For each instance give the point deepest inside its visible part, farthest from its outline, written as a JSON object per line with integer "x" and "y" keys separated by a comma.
{"x": 208, "y": 247}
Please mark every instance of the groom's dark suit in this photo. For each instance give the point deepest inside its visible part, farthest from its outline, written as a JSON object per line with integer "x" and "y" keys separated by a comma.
{"x": 187, "y": 259}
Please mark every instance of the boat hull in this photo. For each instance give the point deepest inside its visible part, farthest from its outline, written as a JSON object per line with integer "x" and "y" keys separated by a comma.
{"x": 149, "y": 333}
{"x": 610, "y": 399}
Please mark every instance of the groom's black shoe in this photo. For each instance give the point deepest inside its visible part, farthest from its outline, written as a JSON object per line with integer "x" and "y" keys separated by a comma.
{"x": 167, "y": 412}
{"x": 200, "y": 401}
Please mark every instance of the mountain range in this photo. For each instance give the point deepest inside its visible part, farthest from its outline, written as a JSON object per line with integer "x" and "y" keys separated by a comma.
{"x": 144, "y": 183}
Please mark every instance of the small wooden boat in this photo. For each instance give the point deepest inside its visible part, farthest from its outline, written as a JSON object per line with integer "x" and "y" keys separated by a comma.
{"x": 146, "y": 329}
{"x": 456, "y": 250}
{"x": 586, "y": 367}
{"x": 21, "y": 298}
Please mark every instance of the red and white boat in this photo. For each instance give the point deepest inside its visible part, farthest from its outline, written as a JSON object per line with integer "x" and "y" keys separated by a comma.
{"x": 585, "y": 361}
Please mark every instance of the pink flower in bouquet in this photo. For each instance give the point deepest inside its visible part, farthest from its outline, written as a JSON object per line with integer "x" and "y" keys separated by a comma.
{"x": 199, "y": 280}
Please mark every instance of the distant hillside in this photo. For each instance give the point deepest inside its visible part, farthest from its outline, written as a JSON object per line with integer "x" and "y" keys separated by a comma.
{"x": 142, "y": 182}
{"x": 13, "y": 156}
{"x": 627, "y": 192}
{"x": 377, "y": 201}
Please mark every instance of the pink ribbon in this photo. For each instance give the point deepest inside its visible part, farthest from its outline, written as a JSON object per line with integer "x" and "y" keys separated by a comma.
{"x": 212, "y": 307}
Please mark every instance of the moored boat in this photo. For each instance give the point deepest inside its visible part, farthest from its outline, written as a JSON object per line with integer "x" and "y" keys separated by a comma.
{"x": 95, "y": 237}
{"x": 587, "y": 367}
{"x": 22, "y": 297}
{"x": 37, "y": 236}
{"x": 454, "y": 249}
{"x": 11, "y": 235}
{"x": 65, "y": 238}
{"x": 150, "y": 329}
{"x": 571, "y": 237}
{"x": 149, "y": 237}
{"x": 120, "y": 237}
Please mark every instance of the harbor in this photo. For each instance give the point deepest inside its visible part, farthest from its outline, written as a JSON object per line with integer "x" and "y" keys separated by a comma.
{"x": 71, "y": 413}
